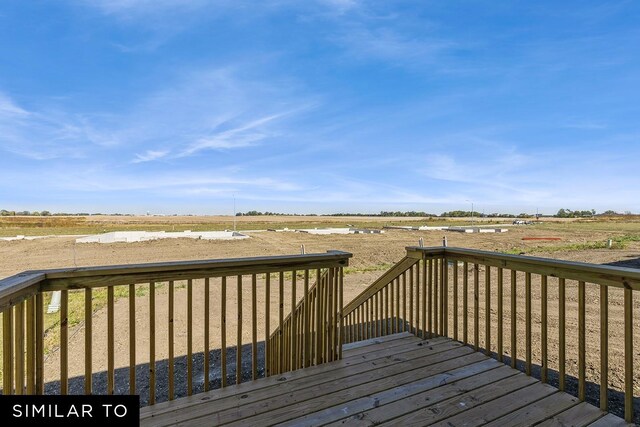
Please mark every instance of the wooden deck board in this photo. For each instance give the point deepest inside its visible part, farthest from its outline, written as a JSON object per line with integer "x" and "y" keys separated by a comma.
{"x": 579, "y": 415}
{"x": 306, "y": 377}
{"x": 392, "y": 380}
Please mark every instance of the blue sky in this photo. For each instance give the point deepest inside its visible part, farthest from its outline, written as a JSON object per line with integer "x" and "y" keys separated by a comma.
{"x": 319, "y": 106}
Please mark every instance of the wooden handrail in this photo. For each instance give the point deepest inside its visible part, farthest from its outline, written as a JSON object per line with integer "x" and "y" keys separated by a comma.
{"x": 621, "y": 277}
{"x": 22, "y": 311}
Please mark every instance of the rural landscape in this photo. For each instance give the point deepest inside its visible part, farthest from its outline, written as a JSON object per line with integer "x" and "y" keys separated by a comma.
{"x": 50, "y": 243}
{"x": 319, "y": 213}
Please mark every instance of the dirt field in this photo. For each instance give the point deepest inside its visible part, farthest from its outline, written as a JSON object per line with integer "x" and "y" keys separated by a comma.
{"x": 372, "y": 255}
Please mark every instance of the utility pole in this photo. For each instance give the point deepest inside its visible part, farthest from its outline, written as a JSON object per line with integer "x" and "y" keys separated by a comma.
{"x": 234, "y": 212}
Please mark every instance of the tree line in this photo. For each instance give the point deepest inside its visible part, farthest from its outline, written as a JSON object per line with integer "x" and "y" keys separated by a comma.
{"x": 562, "y": 213}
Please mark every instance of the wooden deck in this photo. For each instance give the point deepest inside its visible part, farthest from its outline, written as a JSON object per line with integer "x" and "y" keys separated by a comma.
{"x": 394, "y": 380}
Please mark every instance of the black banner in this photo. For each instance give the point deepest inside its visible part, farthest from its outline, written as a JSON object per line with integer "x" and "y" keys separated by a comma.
{"x": 69, "y": 410}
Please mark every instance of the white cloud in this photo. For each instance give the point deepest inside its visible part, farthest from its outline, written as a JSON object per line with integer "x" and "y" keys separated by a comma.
{"x": 245, "y": 135}
{"x": 150, "y": 155}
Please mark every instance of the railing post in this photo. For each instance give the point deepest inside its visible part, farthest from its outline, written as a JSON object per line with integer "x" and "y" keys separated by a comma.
{"x": 628, "y": 355}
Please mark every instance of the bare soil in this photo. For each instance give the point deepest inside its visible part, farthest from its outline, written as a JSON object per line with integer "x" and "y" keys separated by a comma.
{"x": 372, "y": 253}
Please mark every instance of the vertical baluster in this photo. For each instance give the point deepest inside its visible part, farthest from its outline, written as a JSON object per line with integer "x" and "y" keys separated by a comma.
{"x": 404, "y": 303}
{"x": 514, "y": 342}
{"x": 376, "y": 315}
{"x": 223, "y": 331}
{"x": 527, "y": 284}
{"x": 582, "y": 365}
{"x": 455, "y": 300}
{"x": 430, "y": 304}
{"x": 436, "y": 299}
{"x": 476, "y": 310}
{"x": 396, "y": 309}
{"x": 561, "y": 334}
{"x": 394, "y": 300}
{"x": 307, "y": 323}
{"x": 424, "y": 299}
{"x": 294, "y": 344}
{"x": 465, "y": 302}
{"x": 444, "y": 279}
{"x": 267, "y": 319}
{"x": 340, "y": 308}
{"x": 207, "y": 345}
{"x": 500, "y": 314}
{"x": 254, "y": 327}
{"x": 416, "y": 325}
{"x": 487, "y": 309}
{"x": 239, "y": 332}
{"x": 280, "y": 322}
{"x": 64, "y": 342}
{"x": 544, "y": 369}
{"x": 132, "y": 339}
{"x": 335, "y": 312}
{"x": 604, "y": 348}
{"x": 171, "y": 335}
{"x": 370, "y": 316}
{"x": 387, "y": 318}
{"x": 88, "y": 341}
{"x": 628, "y": 355}
{"x": 31, "y": 324}
{"x": 7, "y": 351}
{"x": 19, "y": 347}
{"x": 317, "y": 321}
{"x": 39, "y": 343}
{"x": 189, "y": 337}
{"x": 152, "y": 343}
{"x": 110, "y": 342}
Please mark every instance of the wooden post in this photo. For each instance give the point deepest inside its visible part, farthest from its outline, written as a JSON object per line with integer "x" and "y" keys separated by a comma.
{"x": 514, "y": 317}
{"x": 19, "y": 347}
{"x": 207, "y": 321}
{"x": 239, "y": 332}
{"x": 189, "y": 337}
{"x": 561, "y": 334}
{"x": 582, "y": 366}
{"x": 132, "y": 339}
{"x": 267, "y": 329}
{"x": 152, "y": 343}
{"x": 223, "y": 331}
{"x": 110, "y": 342}
{"x": 64, "y": 342}
{"x": 254, "y": 328}
{"x": 487, "y": 309}
{"x": 527, "y": 285}
{"x": 31, "y": 343}
{"x": 476, "y": 309}
{"x": 500, "y": 315}
{"x": 170, "y": 342}
{"x": 628, "y": 355}
{"x": 88, "y": 341}
{"x": 544, "y": 368}
{"x": 604, "y": 348}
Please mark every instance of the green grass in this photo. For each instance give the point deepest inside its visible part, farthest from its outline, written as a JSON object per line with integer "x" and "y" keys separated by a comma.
{"x": 618, "y": 242}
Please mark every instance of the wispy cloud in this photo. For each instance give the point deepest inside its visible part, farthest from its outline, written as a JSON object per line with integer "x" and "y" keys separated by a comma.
{"x": 45, "y": 133}
{"x": 150, "y": 155}
{"x": 246, "y": 135}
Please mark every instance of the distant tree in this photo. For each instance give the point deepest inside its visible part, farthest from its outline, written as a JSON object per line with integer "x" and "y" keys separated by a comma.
{"x": 609, "y": 212}
{"x": 45, "y": 213}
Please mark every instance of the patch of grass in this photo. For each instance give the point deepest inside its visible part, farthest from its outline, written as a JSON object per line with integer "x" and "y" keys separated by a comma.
{"x": 368, "y": 268}
{"x": 619, "y": 242}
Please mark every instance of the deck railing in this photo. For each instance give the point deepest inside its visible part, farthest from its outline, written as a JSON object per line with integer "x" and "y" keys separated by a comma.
{"x": 532, "y": 313}
{"x": 156, "y": 305}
